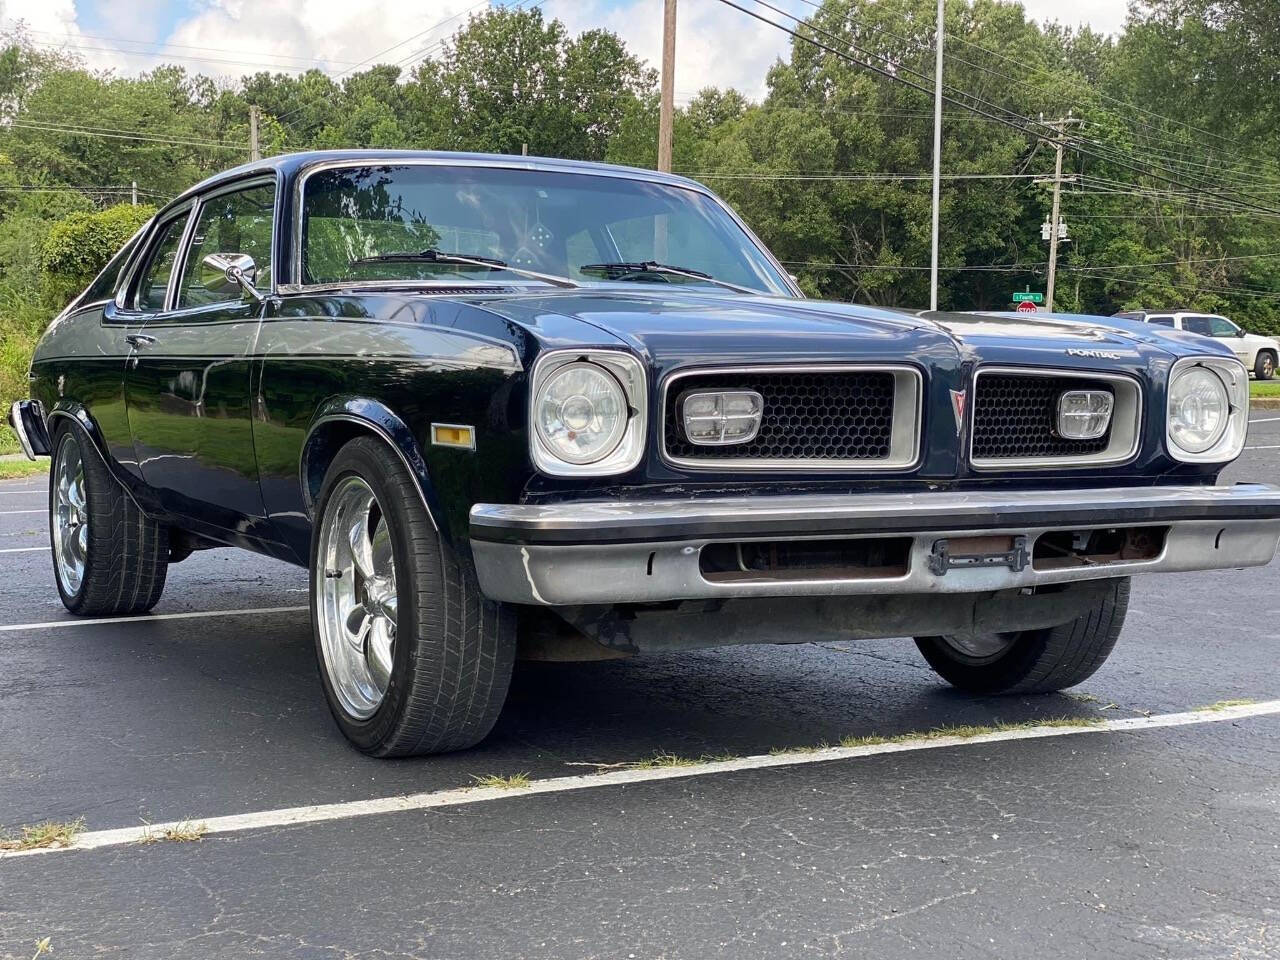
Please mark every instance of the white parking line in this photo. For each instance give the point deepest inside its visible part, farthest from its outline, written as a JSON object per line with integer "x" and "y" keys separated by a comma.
{"x": 191, "y": 615}
{"x": 1265, "y": 420}
{"x": 292, "y": 816}
{"x": 12, "y": 513}
{"x": 22, "y": 549}
{"x": 1269, "y": 446}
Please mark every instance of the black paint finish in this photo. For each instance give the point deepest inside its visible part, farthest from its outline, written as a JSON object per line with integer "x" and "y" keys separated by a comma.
{"x": 224, "y": 422}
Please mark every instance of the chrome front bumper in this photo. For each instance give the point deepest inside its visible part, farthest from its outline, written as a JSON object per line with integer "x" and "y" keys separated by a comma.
{"x": 651, "y": 551}
{"x": 26, "y": 417}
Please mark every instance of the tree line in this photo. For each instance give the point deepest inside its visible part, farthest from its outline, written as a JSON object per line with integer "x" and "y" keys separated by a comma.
{"x": 1172, "y": 199}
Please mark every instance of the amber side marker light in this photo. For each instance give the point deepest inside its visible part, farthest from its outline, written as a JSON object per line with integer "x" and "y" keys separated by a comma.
{"x": 453, "y": 435}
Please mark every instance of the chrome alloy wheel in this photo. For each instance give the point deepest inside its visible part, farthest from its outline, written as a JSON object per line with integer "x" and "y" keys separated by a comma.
{"x": 70, "y": 516}
{"x": 980, "y": 646}
{"x": 356, "y": 598}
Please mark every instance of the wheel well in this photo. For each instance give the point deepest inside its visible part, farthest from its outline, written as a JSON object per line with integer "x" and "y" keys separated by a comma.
{"x": 322, "y": 446}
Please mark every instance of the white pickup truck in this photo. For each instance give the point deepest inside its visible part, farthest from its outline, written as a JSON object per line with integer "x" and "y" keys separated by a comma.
{"x": 1258, "y": 354}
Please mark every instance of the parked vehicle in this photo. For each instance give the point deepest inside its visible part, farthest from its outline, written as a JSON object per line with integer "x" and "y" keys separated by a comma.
{"x": 1258, "y": 354}
{"x": 499, "y": 404}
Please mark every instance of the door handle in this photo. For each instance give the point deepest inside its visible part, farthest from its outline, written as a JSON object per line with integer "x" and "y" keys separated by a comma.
{"x": 138, "y": 340}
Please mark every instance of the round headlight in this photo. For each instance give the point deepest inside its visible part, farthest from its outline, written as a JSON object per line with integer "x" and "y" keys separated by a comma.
{"x": 1199, "y": 409}
{"x": 580, "y": 413}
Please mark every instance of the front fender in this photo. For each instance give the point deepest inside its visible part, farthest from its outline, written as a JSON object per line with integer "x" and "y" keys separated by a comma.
{"x": 336, "y": 421}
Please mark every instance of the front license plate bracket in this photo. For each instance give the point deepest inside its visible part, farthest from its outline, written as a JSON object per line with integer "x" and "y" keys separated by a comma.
{"x": 966, "y": 552}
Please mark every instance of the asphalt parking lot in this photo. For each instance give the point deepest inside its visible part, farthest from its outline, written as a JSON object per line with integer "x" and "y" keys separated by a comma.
{"x": 1154, "y": 840}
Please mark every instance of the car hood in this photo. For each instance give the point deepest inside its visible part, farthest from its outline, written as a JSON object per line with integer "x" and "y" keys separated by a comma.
{"x": 689, "y": 328}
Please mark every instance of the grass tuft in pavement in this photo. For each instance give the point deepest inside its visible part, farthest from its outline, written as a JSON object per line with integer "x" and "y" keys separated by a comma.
{"x": 517, "y": 781}
{"x": 15, "y": 469}
{"x": 664, "y": 759}
{"x": 43, "y": 946}
{"x": 39, "y": 836}
{"x": 187, "y": 831}
{"x": 1223, "y": 705}
{"x": 968, "y": 731}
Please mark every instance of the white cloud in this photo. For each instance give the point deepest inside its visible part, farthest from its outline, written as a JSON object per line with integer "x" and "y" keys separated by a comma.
{"x": 716, "y": 44}
{"x": 1104, "y": 16}
{"x": 331, "y": 34}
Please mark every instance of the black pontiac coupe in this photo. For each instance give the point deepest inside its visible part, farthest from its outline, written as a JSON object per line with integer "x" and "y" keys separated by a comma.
{"x": 502, "y": 405}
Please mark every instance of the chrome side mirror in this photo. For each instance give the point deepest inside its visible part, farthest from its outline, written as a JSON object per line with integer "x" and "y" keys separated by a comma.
{"x": 226, "y": 274}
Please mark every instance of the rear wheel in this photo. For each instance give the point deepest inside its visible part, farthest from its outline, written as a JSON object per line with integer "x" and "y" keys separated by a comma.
{"x": 1031, "y": 661}
{"x": 109, "y": 558}
{"x": 1264, "y": 368}
{"x": 413, "y": 658}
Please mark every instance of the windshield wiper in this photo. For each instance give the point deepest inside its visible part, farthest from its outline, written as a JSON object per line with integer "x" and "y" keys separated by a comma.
{"x": 615, "y": 271}
{"x": 467, "y": 260}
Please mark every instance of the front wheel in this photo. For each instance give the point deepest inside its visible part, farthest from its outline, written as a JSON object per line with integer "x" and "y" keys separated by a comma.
{"x": 1031, "y": 661}
{"x": 413, "y": 658}
{"x": 1264, "y": 367}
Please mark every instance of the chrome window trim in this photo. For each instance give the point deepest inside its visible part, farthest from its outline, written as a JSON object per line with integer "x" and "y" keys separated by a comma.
{"x": 515, "y": 163}
{"x": 1239, "y": 407}
{"x": 1128, "y": 412}
{"x": 904, "y": 450}
{"x": 125, "y": 299}
{"x": 629, "y": 453}
{"x": 235, "y": 186}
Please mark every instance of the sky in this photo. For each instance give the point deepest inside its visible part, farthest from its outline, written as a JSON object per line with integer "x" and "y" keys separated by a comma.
{"x": 716, "y": 45}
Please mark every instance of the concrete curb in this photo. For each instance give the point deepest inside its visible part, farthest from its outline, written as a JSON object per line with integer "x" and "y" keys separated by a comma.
{"x": 1264, "y": 403}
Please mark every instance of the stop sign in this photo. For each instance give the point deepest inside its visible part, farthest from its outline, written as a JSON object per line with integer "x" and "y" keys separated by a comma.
{"x": 1026, "y": 306}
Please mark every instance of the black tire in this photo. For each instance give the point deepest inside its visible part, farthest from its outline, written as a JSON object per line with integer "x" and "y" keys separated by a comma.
{"x": 1037, "y": 661}
{"x": 453, "y": 650}
{"x": 127, "y": 553}
{"x": 1264, "y": 367}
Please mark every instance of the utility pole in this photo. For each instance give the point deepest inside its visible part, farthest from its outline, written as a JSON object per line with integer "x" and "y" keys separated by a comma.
{"x": 1059, "y": 144}
{"x": 254, "y": 152}
{"x": 937, "y": 155}
{"x": 134, "y": 193}
{"x": 666, "y": 113}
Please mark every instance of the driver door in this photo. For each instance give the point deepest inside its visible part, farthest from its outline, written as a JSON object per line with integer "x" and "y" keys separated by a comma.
{"x": 188, "y": 381}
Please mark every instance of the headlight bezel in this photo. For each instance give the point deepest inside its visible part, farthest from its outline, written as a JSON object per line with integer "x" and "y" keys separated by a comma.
{"x": 1234, "y": 379}
{"x": 628, "y": 372}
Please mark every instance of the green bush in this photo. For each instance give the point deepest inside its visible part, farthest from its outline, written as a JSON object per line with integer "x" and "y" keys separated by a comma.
{"x": 77, "y": 248}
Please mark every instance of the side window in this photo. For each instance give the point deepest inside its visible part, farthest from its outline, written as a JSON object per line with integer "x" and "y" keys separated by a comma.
{"x": 153, "y": 279}
{"x": 1197, "y": 325}
{"x": 1161, "y": 321}
{"x": 230, "y": 224}
{"x": 1222, "y": 327}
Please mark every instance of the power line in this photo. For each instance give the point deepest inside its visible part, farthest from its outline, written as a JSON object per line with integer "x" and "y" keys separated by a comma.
{"x": 1108, "y": 151}
{"x": 188, "y": 46}
{"x": 381, "y": 53}
{"x": 258, "y": 64}
{"x": 78, "y": 131}
{"x": 1045, "y": 71}
{"x": 1012, "y": 120}
{"x": 78, "y": 125}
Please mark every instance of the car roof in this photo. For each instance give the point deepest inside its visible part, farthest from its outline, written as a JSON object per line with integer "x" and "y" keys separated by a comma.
{"x": 290, "y": 164}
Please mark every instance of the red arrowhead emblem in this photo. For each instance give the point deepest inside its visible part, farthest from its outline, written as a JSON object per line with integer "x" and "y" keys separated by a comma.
{"x": 958, "y": 400}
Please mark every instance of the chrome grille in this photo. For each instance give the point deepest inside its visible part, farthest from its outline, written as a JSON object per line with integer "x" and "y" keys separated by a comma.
{"x": 1015, "y": 416}
{"x": 813, "y": 417}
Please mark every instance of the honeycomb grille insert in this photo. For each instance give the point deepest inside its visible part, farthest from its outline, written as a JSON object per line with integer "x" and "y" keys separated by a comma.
{"x": 1015, "y": 417}
{"x": 837, "y": 416}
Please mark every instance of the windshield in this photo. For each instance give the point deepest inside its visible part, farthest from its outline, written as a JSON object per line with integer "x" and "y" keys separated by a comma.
{"x": 552, "y": 223}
